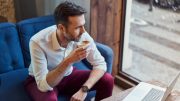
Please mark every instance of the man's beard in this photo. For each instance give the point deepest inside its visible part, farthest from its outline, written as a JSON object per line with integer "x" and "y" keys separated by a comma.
{"x": 69, "y": 38}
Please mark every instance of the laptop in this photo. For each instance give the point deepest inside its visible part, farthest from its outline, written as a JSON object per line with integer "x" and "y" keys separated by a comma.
{"x": 148, "y": 92}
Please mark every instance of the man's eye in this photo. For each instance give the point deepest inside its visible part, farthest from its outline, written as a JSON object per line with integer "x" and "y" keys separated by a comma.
{"x": 77, "y": 27}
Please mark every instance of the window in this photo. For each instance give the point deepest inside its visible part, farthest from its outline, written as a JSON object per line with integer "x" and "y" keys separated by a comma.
{"x": 151, "y": 40}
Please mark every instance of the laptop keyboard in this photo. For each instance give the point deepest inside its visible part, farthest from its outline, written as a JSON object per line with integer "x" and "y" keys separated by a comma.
{"x": 153, "y": 95}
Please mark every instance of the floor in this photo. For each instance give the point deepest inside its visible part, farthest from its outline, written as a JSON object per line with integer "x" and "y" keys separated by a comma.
{"x": 116, "y": 89}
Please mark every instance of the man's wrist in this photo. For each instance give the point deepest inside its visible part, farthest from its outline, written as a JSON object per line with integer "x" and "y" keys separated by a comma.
{"x": 68, "y": 61}
{"x": 64, "y": 65}
{"x": 85, "y": 89}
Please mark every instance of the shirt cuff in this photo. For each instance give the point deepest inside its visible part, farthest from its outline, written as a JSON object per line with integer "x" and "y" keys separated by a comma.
{"x": 44, "y": 86}
{"x": 102, "y": 67}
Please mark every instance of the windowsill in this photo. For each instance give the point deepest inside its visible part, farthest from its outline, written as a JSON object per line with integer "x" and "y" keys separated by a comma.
{"x": 124, "y": 81}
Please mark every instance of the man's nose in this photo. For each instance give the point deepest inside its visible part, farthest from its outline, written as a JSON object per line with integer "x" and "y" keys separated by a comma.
{"x": 83, "y": 29}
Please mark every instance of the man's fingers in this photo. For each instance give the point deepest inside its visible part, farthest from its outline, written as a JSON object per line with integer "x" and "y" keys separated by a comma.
{"x": 71, "y": 99}
{"x": 82, "y": 52}
{"x": 82, "y": 56}
{"x": 74, "y": 99}
{"x": 80, "y": 49}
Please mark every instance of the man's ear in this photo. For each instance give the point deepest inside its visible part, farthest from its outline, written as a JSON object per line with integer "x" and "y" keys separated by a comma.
{"x": 61, "y": 27}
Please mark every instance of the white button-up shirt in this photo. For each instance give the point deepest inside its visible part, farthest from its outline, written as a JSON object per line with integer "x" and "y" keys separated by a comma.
{"x": 46, "y": 54}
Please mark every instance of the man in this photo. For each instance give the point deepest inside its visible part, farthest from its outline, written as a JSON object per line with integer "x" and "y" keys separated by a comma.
{"x": 54, "y": 50}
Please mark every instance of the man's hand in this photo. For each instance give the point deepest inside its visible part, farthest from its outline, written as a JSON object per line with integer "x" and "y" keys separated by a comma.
{"x": 78, "y": 54}
{"x": 79, "y": 96}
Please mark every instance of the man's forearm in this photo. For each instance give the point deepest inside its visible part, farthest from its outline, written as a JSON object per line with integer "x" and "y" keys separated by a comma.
{"x": 95, "y": 75}
{"x": 56, "y": 75}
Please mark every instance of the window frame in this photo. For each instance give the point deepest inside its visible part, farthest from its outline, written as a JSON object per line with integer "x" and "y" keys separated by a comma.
{"x": 123, "y": 79}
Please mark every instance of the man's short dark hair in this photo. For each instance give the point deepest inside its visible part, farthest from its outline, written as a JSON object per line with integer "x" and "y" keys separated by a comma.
{"x": 66, "y": 9}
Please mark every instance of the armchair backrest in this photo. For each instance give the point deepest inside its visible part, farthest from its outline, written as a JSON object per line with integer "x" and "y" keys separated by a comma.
{"x": 12, "y": 69}
{"x": 10, "y": 50}
{"x": 27, "y": 28}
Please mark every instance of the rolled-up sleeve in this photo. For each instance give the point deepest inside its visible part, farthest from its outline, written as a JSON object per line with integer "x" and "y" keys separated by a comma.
{"x": 94, "y": 57}
{"x": 39, "y": 66}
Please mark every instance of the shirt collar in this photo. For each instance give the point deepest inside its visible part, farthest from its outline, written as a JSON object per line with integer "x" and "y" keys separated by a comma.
{"x": 55, "y": 43}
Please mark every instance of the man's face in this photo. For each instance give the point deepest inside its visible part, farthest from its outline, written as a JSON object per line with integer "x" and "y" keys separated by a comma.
{"x": 75, "y": 28}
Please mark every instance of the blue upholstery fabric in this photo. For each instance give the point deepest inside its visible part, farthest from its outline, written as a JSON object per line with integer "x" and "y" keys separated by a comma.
{"x": 28, "y": 28}
{"x": 11, "y": 87}
{"x": 12, "y": 71}
{"x": 10, "y": 52}
{"x": 107, "y": 53}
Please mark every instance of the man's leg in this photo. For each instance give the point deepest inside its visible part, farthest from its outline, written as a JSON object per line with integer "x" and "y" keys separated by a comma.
{"x": 36, "y": 95}
{"x": 72, "y": 83}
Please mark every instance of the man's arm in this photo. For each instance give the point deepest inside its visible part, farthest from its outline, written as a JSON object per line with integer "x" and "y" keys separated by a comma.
{"x": 46, "y": 79}
{"x": 95, "y": 75}
{"x": 98, "y": 63}
{"x": 99, "y": 68}
{"x": 56, "y": 75}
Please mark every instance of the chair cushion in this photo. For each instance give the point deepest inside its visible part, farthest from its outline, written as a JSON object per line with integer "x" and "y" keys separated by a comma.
{"x": 81, "y": 66}
{"x": 10, "y": 52}
{"x": 11, "y": 87}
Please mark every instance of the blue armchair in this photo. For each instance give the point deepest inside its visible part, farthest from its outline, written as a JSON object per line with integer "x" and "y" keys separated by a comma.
{"x": 15, "y": 57}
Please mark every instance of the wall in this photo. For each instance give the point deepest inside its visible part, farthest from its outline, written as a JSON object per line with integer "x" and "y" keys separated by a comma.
{"x": 106, "y": 24}
{"x": 7, "y": 12}
{"x": 25, "y": 9}
{"x": 33, "y": 8}
{"x": 51, "y": 4}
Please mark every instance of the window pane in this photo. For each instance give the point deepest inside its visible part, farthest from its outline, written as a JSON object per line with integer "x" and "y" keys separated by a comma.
{"x": 152, "y": 40}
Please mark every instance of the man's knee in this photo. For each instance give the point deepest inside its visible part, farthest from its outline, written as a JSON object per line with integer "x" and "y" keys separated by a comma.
{"x": 49, "y": 96}
{"x": 107, "y": 80}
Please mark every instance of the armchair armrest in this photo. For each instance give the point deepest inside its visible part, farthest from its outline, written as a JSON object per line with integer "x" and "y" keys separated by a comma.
{"x": 107, "y": 53}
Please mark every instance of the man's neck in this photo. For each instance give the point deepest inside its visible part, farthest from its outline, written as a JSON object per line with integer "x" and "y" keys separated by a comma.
{"x": 61, "y": 39}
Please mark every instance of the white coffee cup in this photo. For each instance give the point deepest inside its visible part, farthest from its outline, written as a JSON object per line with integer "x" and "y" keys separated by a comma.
{"x": 83, "y": 44}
